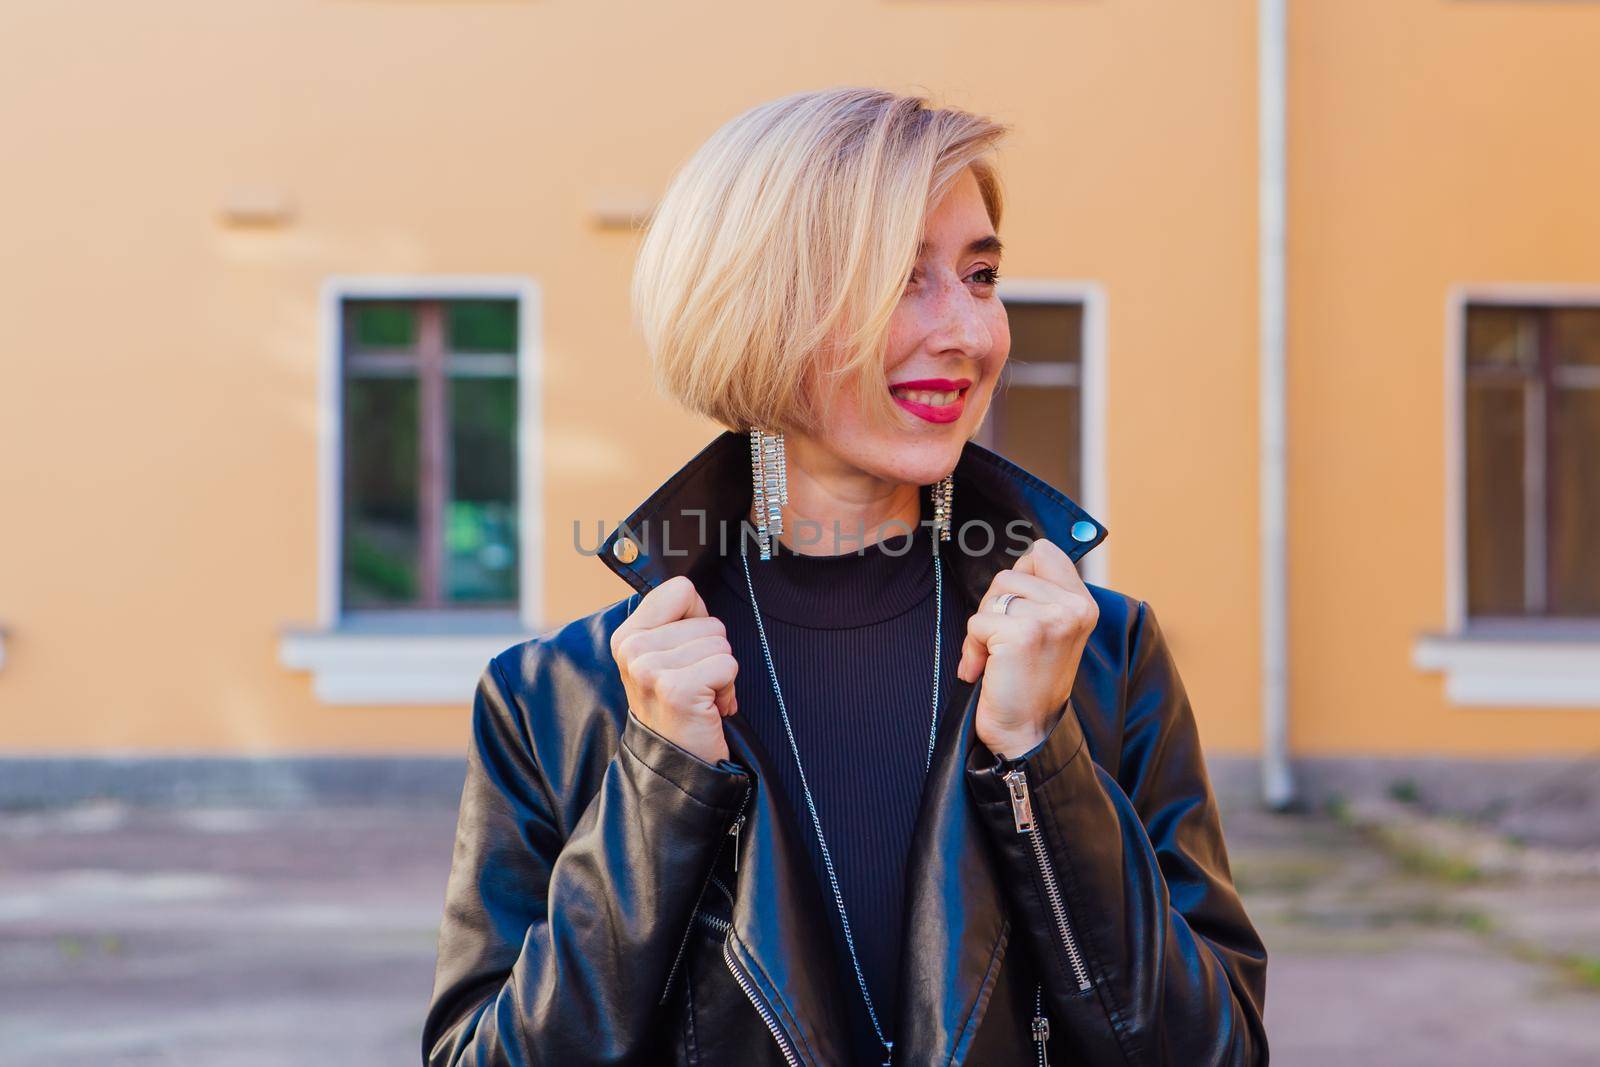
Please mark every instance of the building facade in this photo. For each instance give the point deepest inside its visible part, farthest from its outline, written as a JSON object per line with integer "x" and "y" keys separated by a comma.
{"x": 320, "y": 375}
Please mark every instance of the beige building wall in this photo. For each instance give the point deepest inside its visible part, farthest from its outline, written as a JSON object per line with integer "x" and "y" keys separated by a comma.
{"x": 1433, "y": 145}
{"x": 158, "y": 418}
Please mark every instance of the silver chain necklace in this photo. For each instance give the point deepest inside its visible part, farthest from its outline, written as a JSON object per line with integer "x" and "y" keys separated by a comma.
{"x": 816, "y": 823}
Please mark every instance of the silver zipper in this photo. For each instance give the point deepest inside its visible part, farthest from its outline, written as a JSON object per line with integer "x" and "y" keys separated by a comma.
{"x": 1041, "y": 1026}
{"x": 1022, "y": 814}
{"x": 723, "y": 926}
{"x": 733, "y": 831}
{"x": 716, "y": 922}
{"x": 784, "y": 1046}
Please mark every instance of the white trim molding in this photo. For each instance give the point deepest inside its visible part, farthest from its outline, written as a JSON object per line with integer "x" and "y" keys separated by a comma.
{"x": 1519, "y": 663}
{"x": 392, "y": 669}
{"x": 1092, "y": 392}
{"x": 427, "y": 664}
{"x": 1517, "y": 671}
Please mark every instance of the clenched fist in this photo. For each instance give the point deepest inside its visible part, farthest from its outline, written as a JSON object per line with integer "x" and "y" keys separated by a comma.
{"x": 1029, "y": 656}
{"x": 678, "y": 668}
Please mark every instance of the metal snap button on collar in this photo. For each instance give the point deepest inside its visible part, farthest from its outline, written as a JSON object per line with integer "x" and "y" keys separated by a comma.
{"x": 1083, "y": 531}
{"x": 625, "y": 549}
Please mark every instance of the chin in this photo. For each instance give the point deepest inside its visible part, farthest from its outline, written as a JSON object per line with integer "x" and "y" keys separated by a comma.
{"x": 914, "y": 452}
{"x": 923, "y": 462}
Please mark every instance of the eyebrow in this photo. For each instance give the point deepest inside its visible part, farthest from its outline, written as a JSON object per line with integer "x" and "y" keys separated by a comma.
{"x": 989, "y": 243}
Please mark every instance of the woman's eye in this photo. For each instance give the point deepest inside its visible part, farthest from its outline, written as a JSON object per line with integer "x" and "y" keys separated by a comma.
{"x": 987, "y": 276}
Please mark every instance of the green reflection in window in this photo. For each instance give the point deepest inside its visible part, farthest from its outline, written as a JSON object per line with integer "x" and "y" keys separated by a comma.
{"x": 483, "y": 326}
{"x": 383, "y": 325}
{"x": 481, "y": 527}
{"x": 380, "y": 491}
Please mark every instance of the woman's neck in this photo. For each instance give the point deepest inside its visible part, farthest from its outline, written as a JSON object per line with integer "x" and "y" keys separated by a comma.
{"x": 835, "y": 508}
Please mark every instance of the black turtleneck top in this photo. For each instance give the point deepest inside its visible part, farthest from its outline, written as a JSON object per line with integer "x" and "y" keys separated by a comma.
{"x": 852, "y": 638}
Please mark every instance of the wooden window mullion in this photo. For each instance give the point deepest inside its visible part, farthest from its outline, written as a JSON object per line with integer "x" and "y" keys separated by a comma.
{"x": 432, "y": 445}
{"x": 1537, "y": 487}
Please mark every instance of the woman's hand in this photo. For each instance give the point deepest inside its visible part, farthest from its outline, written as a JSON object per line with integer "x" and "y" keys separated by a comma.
{"x": 678, "y": 668}
{"x": 1029, "y": 656}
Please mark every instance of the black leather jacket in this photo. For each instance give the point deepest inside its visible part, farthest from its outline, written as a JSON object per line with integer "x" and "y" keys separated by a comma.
{"x": 616, "y": 899}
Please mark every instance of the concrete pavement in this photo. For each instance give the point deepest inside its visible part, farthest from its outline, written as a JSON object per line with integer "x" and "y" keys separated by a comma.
{"x": 234, "y": 937}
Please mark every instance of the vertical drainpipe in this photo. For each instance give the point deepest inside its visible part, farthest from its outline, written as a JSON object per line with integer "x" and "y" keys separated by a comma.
{"x": 1277, "y": 782}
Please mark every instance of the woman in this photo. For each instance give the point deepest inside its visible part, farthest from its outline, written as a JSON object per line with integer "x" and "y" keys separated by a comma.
{"x": 899, "y": 788}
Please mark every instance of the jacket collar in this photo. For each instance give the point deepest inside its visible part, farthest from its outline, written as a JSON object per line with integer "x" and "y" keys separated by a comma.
{"x": 956, "y": 927}
{"x": 695, "y": 516}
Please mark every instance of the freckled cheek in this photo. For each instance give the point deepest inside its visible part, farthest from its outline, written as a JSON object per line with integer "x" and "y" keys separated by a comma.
{"x": 901, "y": 344}
{"x": 978, "y": 400}
{"x": 994, "y": 359}
{"x": 999, "y": 337}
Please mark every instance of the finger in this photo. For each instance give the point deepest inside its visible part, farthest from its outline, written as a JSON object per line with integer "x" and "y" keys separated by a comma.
{"x": 716, "y": 673}
{"x": 728, "y": 701}
{"x": 1024, "y": 607}
{"x": 1028, "y": 623}
{"x": 1026, "y": 586}
{"x": 671, "y": 658}
{"x": 991, "y": 628}
{"x": 672, "y": 634}
{"x": 974, "y": 657}
{"x": 1046, "y": 559}
{"x": 673, "y": 599}
{"x": 695, "y": 688}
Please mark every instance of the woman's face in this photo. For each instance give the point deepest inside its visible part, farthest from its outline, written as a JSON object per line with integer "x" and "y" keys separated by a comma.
{"x": 948, "y": 340}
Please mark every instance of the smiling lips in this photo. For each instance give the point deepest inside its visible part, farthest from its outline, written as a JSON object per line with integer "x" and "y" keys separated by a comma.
{"x": 933, "y": 399}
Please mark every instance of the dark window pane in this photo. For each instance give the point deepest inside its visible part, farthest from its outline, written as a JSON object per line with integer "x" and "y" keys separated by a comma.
{"x": 1575, "y": 335}
{"x": 380, "y": 492}
{"x": 483, "y": 325}
{"x": 481, "y": 527}
{"x": 1037, "y": 427}
{"x": 1495, "y": 579}
{"x": 381, "y": 324}
{"x": 1046, "y": 333}
{"x": 1574, "y": 587}
{"x": 1502, "y": 337}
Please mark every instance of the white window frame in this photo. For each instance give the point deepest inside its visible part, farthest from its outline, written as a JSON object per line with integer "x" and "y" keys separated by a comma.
{"x": 436, "y": 664}
{"x": 1092, "y": 391}
{"x": 1543, "y": 663}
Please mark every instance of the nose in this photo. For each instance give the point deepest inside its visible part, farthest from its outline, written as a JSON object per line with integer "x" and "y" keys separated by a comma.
{"x": 957, "y": 323}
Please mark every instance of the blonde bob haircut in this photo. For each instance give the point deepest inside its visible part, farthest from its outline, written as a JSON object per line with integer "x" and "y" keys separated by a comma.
{"x": 779, "y": 250}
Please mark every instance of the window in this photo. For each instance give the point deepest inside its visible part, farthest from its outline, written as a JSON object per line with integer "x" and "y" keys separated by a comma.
{"x": 1523, "y": 519}
{"x": 429, "y": 511}
{"x": 1532, "y": 437}
{"x": 430, "y": 457}
{"x": 1047, "y": 407}
{"x": 1036, "y": 419}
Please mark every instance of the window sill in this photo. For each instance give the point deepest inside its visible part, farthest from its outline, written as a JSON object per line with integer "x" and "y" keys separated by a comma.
{"x": 1529, "y": 666}
{"x": 414, "y": 661}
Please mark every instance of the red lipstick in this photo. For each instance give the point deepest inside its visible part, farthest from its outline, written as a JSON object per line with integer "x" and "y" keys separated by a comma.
{"x": 933, "y": 412}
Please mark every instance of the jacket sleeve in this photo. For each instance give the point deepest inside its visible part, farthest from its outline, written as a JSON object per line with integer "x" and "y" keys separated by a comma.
{"x": 552, "y": 950}
{"x": 1168, "y": 968}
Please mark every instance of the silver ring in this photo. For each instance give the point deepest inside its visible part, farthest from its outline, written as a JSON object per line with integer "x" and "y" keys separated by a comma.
{"x": 1004, "y": 602}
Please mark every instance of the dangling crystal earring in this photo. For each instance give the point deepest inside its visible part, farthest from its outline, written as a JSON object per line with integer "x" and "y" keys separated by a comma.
{"x": 769, "y": 480}
{"x": 943, "y": 490}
